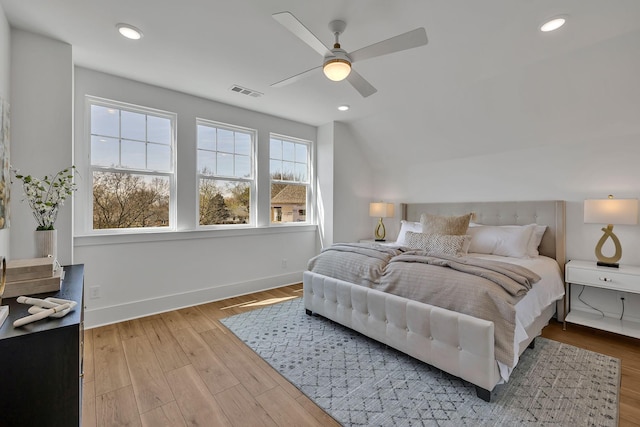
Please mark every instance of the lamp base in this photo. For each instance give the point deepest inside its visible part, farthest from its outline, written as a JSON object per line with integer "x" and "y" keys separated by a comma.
{"x": 608, "y": 264}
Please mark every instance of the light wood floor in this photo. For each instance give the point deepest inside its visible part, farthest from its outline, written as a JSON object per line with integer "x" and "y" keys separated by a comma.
{"x": 183, "y": 368}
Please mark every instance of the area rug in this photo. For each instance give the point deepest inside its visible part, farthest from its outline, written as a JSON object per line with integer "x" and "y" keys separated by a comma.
{"x": 361, "y": 382}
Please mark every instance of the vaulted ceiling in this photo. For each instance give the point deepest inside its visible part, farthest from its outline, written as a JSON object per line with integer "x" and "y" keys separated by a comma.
{"x": 487, "y": 81}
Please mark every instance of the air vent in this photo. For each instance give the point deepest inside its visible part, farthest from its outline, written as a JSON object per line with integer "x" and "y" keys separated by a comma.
{"x": 245, "y": 91}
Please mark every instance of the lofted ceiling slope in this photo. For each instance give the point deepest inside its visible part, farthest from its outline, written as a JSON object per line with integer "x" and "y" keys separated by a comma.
{"x": 488, "y": 81}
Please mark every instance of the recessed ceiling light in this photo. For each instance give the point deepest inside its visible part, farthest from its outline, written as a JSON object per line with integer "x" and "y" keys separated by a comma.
{"x": 553, "y": 24}
{"x": 129, "y": 31}
{"x": 343, "y": 107}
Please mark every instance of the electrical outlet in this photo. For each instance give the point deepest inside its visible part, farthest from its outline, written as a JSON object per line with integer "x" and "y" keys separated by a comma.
{"x": 94, "y": 292}
{"x": 284, "y": 263}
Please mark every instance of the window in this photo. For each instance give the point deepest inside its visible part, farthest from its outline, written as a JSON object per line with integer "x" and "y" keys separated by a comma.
{"x": 132, "y": 166}
{"x": 290, "y": 179}
{"x": 226, "y": 182}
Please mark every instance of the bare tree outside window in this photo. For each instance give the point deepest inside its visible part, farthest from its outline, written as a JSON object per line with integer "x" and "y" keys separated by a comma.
{"x": 132, "y": 165}
{"x": 124, "y": 200}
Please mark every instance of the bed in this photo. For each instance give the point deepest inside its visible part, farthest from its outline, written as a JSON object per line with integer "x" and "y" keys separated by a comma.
{"x": 457, "y": 343}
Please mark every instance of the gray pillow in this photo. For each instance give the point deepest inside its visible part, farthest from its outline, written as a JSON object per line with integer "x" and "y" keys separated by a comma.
{"x": 448, "y": 225}
{"x": 436, "y": 243}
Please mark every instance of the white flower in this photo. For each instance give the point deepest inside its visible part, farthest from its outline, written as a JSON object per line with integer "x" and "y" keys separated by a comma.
{"x": 46, "y": 195}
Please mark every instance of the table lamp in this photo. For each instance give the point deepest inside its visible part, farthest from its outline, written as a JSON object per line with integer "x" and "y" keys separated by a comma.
{"x": 610, "y": 211}
{"x": 380, "y": 210}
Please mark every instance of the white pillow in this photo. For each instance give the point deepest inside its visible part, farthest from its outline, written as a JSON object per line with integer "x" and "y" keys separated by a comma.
{"x": 405, "y": 226}
{"x": 534, "y": 240}
{"x": 510, "y": 241}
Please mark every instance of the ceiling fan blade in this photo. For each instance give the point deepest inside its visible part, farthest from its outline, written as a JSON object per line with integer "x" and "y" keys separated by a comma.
{"x": 292, "y": 24}
{"x": 295, "y": 78}
{"x": 409, "y": 40}
{"x": 360, "y": 84}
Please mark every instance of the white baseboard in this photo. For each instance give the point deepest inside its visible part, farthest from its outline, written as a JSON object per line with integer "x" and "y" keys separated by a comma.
{"x": 135, "y": 309}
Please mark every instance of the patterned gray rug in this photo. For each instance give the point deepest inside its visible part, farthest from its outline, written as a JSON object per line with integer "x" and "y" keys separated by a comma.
{"x": 361, "y": 382}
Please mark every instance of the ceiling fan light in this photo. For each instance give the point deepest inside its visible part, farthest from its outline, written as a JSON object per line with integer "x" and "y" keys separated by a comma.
{"x": 336, "y": 69}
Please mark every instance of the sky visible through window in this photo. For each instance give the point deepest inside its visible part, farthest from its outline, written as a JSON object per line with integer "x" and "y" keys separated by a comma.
{"x": 288, "y": 160}
{"x": 126, "y": 139}
{"x": 224, "y": 152}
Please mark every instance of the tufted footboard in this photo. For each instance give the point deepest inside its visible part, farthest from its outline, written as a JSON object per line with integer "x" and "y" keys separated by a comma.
{"x": 453, "y": 342}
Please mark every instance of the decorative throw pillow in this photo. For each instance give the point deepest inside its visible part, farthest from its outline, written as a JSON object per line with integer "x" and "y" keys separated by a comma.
{"x": 448, "y": 225}
{"x": 404, "y": 227}
{"x": 436, "y": 243}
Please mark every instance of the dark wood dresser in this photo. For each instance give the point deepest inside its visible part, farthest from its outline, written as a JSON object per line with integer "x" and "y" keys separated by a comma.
{"x": 41, "y": 363}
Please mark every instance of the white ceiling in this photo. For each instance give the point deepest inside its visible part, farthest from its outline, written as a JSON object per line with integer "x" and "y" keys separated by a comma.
{"x": 488, "y": 81}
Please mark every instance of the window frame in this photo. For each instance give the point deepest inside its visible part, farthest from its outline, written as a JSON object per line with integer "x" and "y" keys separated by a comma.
{"x": 91, "y": 168}
{"x": 309, "y": 207}
{"x": 252, "y": 180}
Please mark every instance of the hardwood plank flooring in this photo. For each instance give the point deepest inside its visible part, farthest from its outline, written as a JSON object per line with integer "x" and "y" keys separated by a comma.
{"x": 185, "y": 368}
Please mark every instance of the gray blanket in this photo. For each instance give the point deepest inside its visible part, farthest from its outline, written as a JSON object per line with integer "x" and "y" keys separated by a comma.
{"x": 359, "y": 263}
{"x": 485, "y": 289}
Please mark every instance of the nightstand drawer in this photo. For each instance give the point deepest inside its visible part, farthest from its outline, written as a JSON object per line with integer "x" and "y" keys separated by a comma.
{"x": 603, "y": 278}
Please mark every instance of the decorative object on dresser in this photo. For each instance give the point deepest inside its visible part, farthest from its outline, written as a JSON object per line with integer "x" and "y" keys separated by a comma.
{"x": 380, "y": 210}
{"x": 42, "y": 362}
{"x": 43, "y": 308}
{"x": 32, "y": 276}
{"x": 625, "y": 279}
{"x": 45, "y": 197}
{"x": 610, "y": 211}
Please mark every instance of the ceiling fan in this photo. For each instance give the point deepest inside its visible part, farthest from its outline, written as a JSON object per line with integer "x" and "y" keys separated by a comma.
{"x": 337, "y": 62}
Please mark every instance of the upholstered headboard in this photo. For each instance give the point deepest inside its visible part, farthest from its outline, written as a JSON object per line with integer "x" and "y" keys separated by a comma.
{"x": 544, "y": 212}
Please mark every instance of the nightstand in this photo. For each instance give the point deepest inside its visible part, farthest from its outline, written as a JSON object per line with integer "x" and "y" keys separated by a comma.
{"x": 587, "y": 273}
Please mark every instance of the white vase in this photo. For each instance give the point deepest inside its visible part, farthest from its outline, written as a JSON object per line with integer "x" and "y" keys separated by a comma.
{"x": 47, "y": 243}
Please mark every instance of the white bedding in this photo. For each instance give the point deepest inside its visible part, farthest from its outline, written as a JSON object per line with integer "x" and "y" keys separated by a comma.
{"x": 544, "y": 292}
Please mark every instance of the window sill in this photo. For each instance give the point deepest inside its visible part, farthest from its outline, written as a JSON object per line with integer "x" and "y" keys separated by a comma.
{"x": 159, "y": 236}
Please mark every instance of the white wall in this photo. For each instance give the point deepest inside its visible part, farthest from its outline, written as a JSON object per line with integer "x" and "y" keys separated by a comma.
{"x": 325, "y": 188}
{"x": 344, "y": 186}
{"x": 139, "y": 275}
{"x": 5, "y": 56}
{"x": 41, "y": 131}
{"x": 572, "y": 172}
{"x": 353, "y": 179}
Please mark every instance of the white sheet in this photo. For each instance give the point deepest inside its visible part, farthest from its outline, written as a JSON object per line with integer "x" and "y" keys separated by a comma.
{"x": 549, "y": 289}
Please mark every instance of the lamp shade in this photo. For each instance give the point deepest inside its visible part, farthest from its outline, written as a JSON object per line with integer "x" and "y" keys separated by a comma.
{"x": 611, "y": 211}
{"x": 381, "y": 210}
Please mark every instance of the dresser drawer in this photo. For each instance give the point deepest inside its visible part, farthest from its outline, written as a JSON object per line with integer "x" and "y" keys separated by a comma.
{"x": 603, "y": 278}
